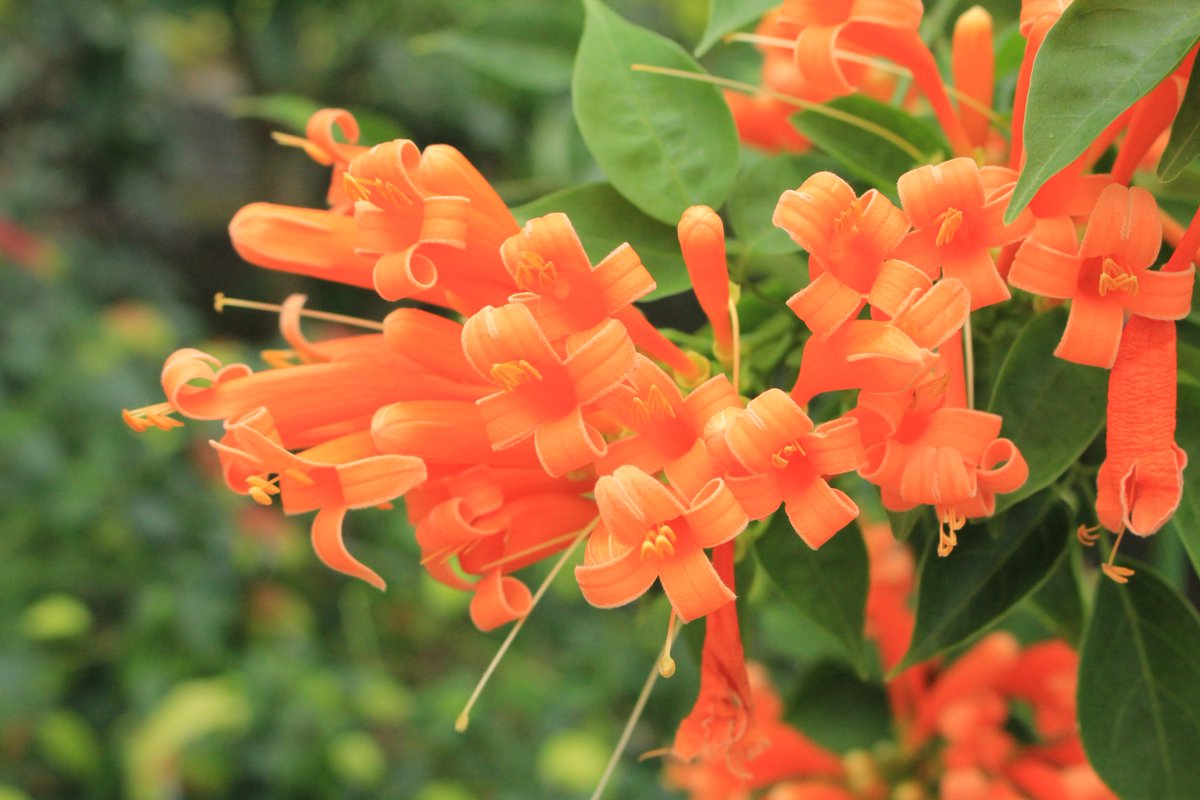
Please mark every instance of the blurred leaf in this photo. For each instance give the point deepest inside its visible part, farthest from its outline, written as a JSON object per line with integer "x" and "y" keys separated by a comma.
{"x": 1059, "y": 601}
{"x": 1187, "y": 435}
{"x": 1184, "y": 143}
{"x": 904, "y": 523}
{"x": 1052, "y": 408}
{"x": 870, "y": 153}
{"x": 962, "y": 594}
{"x": 358, "y": 759}
{"x": 604, "y": 219}
{"x": 67, "y": 742}
{"x": 1099, "y": 59}
{"x": 839, "y": 711}
{"x": 1138, "y": 693}
{"x": 756, "y": 194}
{"x": 666, "y": 143}
{"x": 58, "y": 616}
{"x": 572, "y": 761}
{"x": 828, "y": 586}
{"x": 725, "y": 16}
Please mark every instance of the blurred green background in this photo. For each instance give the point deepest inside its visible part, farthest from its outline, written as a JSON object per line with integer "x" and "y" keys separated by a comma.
{"x": 160, "y": 637}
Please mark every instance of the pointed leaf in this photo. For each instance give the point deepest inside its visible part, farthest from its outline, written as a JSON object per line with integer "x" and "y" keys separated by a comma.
{"x": 962, "y": 594}
{"x": 1139, "y": 700}
{"x": 874, "y": 154}
{"x": 1184, "y": 144}
{"x": 1059, "y": 602}
{"x": 1052, "y": 408}
{"x": 604, "y": 219}
{"x": 666, "y": 143}
{"x": 725, "y": 16}
{"x": 840, "y": 711}
{"x": 828, "y": 586}
{"x": 1187, "y": 435}
{"x": 1100, "y": 58}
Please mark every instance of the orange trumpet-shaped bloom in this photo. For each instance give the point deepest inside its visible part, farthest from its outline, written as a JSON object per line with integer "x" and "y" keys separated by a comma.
{"x": 847, "y": 238}
{"x": 649, "y": 533}
{"x": 542, "y": 394}
{"x": 340, "y": 474}
{"x": 558, "y": 283}
{"x": 765, "y": 122}
{"x": 789, "y": 457}
{"x": 1140, "y": 482}
{"x": 956, "y": 222}
{"x": 702, "y": 241}
{"x": 1107, "y": 276}
{"x": 974, "y": 68}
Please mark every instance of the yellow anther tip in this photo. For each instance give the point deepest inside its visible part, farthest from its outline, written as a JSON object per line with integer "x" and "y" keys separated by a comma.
{"x": 666, "y": 667}
{"x": 460, "y": 724}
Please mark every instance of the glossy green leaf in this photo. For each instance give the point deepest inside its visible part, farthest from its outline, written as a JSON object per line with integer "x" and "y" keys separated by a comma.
{"x": 1184, "y": 144}
{"x": 871, "y": 153}
{"x": 1052, "y": 408}
{"x": 985, "y": 577}
{"x": 840, "y": 711}
{"x": 1098, "y": 60}
{"x": 1138, "y": 696}
{"x": 1059, "y": 601}
{"x": 665, "y": 142}
{"x": 753, "y": 201}
{"x": 604, "y": 219}
{"x": 829, "y": 586}
{"x": 905, "y": 523}
{"x": 725, "y": 16}
{"x": 1186, "y": 521}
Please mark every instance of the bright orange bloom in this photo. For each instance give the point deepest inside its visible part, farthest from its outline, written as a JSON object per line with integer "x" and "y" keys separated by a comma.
{"x": 764, "y": 122}
{"x": 788, "y": 459}
{"x": 1107, "y": 276}
{"x": 541, "y": 393}
{"x": 342, "y": 473}
{"x": 974, "y": 68}
{"x": 560, "y": 286}
{"x": 957, "y": 221}
{"x": 847, "y": 238}
{"x": 649, "y": 532}
{"x": 1037, "y": 17}
{"x": 702, "y": 242}
{"x": 1140, "y": 482}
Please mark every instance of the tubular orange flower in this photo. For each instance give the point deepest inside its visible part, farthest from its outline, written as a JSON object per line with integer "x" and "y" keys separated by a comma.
{"x": 702, "y": 241}
{"x": 974, "y": 71}
{"x": 1107, "y": 276}
{"x": 542, "y": 394}
{"x": 1140, "y": 482}
{"x": 774, "y": 440}
{"x": 848, "y": 239}
{"x": 649, "y": 532}
{"x": 956, "y": 223}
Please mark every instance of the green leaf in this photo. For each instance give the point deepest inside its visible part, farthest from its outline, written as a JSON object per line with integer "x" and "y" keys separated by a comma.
{"x": 904, "y": 523}
{"x": 725, "y": 16}
{"x": 1139, "y": 700}
{"x": 962, "y": 594}
{"x": 1052, "y": 408}
{"x": 1100, "y": 58}
{"x": 665, "y": 142}
{"x": 604, "y": 219}
{"x": 1184, "y": 144}
{"x": 1187, "y": 435}
{"x": 875, "y": 155}
{"x": 828, "y": 586}
{"x": 839, "y": 711}
{"x": 753, "y": 201}
{"x": 1059, "y": 602}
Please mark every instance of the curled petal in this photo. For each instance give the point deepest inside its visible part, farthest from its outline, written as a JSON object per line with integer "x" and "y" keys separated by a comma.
{"x": 567, "y": 443}
{"x": 305, "y": 241}
{"x": 715, "y": 516}
{"x": 600, "y": 362}
{"x": 691, "y": 583}
{"x": 808, "y": 213}
{"x": 1124, "y": 224}
{"x": 977, "y": 271}
{"x": 769, "y": 422}
{"x": 499, "y": 599}
{"x": 1093, "y": 332}
{"x": 937, "y": 315}
{"x": 445, "y": 221}
{"x": 1044, "y": 270}
{"x": 926, "y": 192}
{"x": 835, "y": 447}
{"x": 631, "y": 501}
{"x": 896, "y": 283}
{"x": 1163, "y": 295}
{"x": 1003, "y": 468}
{"x": 825, "y": 304}
{"x": 404, "y": 273}
{"x": 617, "y": 580}
{"x": 817, "y": 511}
{"x": 328, "y": 544}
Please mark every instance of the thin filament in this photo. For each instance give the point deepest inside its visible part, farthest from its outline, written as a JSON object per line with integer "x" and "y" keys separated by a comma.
{"x": 221, "y": 302}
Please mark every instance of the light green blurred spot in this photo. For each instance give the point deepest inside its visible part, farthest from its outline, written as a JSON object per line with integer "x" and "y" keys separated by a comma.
{"x": 380, "y": 699}
{"x": 357, "y": 759}
{"x": 56, "y": 616}
{"x": 441, "y": 600}
{"x": 444, "y": 790}
{"x": 573, "y": 761}
{"x": 189, "y": 712}
{"x": 67, "y": 742}
{"x": 12, "y": 793}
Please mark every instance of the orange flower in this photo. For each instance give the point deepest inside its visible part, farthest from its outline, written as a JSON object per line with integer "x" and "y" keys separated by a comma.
{"x": 788, "y": 459}
{"x": 847, "y": 237}
{"x": 541, "y": 393}
{"x": 649, "y": 532}
{"x": 1140, "y": 482}
{"x": 957, "y": 221}
{"x": 974, "y": 70}
{"x": 1107, "y": 276}
{"x": 702, "y": 242}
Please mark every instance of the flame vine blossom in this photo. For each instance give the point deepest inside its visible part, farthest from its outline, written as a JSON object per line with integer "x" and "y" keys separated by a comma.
{"x": 520, "y": 404}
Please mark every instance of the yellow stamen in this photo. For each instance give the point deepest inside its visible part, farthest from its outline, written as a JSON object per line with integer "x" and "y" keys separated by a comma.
{"x": 260, "y": 496}
{"x": 950, "y": 522}
{"x": 1118, "y": 574}
{"x": 280, "y": 359}
{"x": 360, "y": 189}
{"x": 929, "y": 392}
{"x": 464, "y": 717}
{"x": 1087, "y": 536}
{"x": 221, "y": 302}
{"x": 666, "y": 664}
{"x": 782, "y": 457}
{"x": 1114, "y": 277}
{"x": 847, "y": 221}
{"x": 511, "y": 374}
{"x": 655, "y": 407}
{"x": 949, "y": 221}
{"x": 533, "y": 269}
{"x": 659, "y": 542}
{"x": 354, "y": 188}
{"x": 290, "y": 140}
{"x": 154, "y": 416}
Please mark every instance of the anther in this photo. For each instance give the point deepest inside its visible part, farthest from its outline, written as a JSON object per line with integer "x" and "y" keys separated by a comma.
{"x": 949, "y": 222}
{"x": 1113, "y": 277}
{"x": 511, "y": 374}
{"x": 155, "y": 416}
{"x": 532, "y": 268}
{"x": 655, "y": 407}
{"x": 847, "y": 221}
{"x": 782, "y": 457}
{"x": 950, "y": 522}
{"x": 1118, "y": 574}
{"x": 221, "y": 302}
{"x": 1087, "y": 536}
{"x": 666, "y": 664}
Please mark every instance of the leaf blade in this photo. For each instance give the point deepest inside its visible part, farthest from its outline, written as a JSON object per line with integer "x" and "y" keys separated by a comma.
{"x": 1184, "y": 144}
